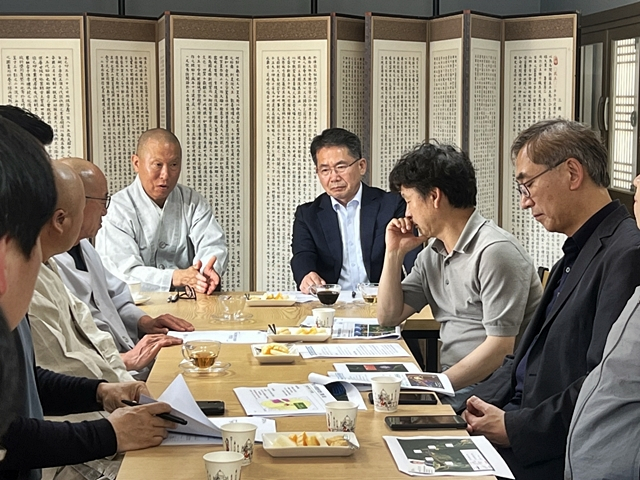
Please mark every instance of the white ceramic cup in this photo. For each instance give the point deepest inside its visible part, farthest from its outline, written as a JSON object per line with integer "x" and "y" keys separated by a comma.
{"x": 134, "y": 288}
{"x": 324, "y": 317}
{"x": 221, "y": 465}
{"x": 386, "y": 393}
{"x": 341, "y": 416}
{"x": 239, "y": 437}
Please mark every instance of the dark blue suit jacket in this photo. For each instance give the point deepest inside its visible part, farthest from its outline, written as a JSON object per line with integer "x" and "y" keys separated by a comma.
{"x": 565, "y": 346}
{"x": 317, "y": 246}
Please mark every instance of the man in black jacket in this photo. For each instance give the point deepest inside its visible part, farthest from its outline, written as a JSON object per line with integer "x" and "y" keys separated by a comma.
{"x": 525, "y": 407}
{"x": 27, "y": 199}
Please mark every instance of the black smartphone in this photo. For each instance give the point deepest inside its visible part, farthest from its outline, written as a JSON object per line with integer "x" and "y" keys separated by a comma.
{"x": 423, "y": 398}
{"x": 211, "y": 407}
{"x": 424, "y": 422}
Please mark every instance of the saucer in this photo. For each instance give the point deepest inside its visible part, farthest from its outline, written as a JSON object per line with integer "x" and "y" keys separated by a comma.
{"x": 140, "y": 299}
{"x": 216, "y": 368}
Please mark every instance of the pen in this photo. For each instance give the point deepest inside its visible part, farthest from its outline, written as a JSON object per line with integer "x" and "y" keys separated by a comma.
{"x": 164, "y": 416}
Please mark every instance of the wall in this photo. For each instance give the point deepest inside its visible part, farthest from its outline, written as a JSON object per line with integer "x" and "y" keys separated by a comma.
{"x": 495, "y": 7}
{"x": 584, "y": 6}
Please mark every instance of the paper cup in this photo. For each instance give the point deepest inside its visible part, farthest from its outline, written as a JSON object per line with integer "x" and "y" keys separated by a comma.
{"x": 386, "y": 392}
{"x": 324, "y": 317}
{"x": 225, "y": 465}
{"x": 239, "y": 437}
{"x": 341, "y": 416}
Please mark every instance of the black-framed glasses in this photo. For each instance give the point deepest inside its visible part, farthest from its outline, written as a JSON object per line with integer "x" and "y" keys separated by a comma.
{"x": 106, "y": 200}
{"x": 523, "y": 188}
{"x": 339, "y": 169}
{"x": 188, "y": 294}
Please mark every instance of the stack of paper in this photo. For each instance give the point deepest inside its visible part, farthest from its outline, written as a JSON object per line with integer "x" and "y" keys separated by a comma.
{"x": 199, "y": 429}
{"x": 223, "y": 336}
{"x": 433, "y": 382}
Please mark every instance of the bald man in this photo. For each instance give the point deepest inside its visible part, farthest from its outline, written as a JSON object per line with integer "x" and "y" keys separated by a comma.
{"x": 65, "y": 337}
{"x": 158, "y": 231}
{"x": 138, "y": 336}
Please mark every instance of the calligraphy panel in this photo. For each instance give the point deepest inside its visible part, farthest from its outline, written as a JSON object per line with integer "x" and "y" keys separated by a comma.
{"x": 350, "y": 86}
{"x": 211, "y": 105}
{"x": 445, "y": 96}
{"x": 123, "y": 104}
{"x": 398, "y": 104}
{"x": 484, "y": 118}
{"x": 539, "y": 77}
{"x": 45, "y": 77}
{"x": 292, "y": 103}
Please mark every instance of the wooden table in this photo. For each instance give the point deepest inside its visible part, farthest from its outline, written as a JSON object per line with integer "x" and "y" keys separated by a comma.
{"x": 373, "y": 460}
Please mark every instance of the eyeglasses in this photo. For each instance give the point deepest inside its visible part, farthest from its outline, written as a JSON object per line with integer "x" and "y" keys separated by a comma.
{"x": 523, "y": 188}
{"x": 339, "y": 169}
{"x": 188, "y": 294}
{"x": 106, "y": 200}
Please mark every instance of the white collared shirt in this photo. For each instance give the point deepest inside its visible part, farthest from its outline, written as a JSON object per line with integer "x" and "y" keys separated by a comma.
{"x": 352, "y": 271}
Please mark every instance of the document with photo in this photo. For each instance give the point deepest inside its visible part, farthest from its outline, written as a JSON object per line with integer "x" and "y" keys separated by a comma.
{"x": 440, "y": 456}
{"x": 359, "y": 328}
{"x": 432, "y": 382}
{"x": 283, "y": 400}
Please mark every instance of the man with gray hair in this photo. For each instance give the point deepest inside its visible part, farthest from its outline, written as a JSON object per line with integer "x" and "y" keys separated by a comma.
{"x": 525, "y": 407}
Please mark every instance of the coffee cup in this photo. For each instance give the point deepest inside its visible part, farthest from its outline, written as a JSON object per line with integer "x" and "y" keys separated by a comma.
{"x": 227, "y": 465}
{"x": 239, "y": 437}
{"x": 341, "y": 416}
{"x": 327, "y": 294}
{"x": 323, "y": 317}
{"x": 202, "y": 354}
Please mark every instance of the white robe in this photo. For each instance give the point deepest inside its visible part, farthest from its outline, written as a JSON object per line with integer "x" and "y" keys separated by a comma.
{"x": 107, "y": 296}
{"x": 141, "y": 241}
{"x": 65, "y": 337}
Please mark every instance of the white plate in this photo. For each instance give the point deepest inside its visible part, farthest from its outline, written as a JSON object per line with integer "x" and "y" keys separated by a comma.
{"x": 140, "y": 299}
{"x": 262, "y": 301}
{"x": 287, "y": 358}
{"x": 295, "y": 335}
{"x": 269, "y": 438}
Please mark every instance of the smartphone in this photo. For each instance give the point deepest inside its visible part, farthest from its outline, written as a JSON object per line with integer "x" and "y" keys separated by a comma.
{"x": 424, "y": 422}
{"x": 211, "y": 407}
{"x": 425, "y": 398}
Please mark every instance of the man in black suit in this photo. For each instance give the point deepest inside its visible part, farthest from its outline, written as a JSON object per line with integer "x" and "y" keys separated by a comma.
{"x": 525, "y": 407}
{"x": 339, "y": 237}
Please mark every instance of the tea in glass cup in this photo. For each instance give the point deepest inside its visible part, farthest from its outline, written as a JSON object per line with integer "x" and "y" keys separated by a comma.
{"x": 201, "y": 353}
{"x": 327, "y": 294}
{"x": 369, "y": 292}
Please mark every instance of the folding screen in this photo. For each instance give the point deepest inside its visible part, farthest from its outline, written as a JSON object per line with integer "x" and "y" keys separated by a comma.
{"x": 292, "y": 106}
{"x": 43, "y": 70}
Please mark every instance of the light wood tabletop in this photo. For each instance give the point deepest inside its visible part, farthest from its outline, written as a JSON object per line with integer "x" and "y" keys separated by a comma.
{"x": 373, "y": 460}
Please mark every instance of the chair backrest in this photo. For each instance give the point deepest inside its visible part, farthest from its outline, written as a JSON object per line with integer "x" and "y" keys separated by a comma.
{"x": 543, "y": 273}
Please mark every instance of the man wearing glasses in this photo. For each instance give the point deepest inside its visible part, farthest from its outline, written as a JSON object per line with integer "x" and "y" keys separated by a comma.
{"x": 159, "y": 232}
{"x": 339, "y": 237}
{"x": 138, "y": 336}
{"x": 526, "y": 406}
